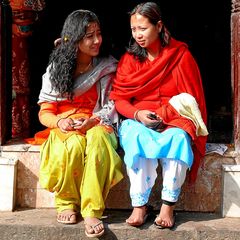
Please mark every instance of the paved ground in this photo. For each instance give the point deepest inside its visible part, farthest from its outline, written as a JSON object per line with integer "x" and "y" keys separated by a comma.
{"x": 36, "y": 224}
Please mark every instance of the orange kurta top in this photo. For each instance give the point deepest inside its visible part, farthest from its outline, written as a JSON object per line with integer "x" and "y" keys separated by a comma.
{"x": 51, "y": 112}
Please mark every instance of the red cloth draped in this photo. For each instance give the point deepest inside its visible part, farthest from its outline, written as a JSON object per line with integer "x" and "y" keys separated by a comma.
{"x": 150, "y": 85}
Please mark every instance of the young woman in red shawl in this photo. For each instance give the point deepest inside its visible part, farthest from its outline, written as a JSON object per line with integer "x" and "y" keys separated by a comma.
{"x": 158, "y": 90}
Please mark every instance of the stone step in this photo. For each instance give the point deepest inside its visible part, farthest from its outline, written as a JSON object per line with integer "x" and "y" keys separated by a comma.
{"x": 40, "y": 224}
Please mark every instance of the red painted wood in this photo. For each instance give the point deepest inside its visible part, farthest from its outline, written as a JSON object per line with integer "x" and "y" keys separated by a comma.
{"x": 235, "y": 63}
{"x": 5, "y": 71}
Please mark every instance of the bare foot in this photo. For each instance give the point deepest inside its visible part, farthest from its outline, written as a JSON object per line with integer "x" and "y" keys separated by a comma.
{"x": 93, "y": 227}
{"x": 165, "y": 218}
{"x": 138, "y": 216}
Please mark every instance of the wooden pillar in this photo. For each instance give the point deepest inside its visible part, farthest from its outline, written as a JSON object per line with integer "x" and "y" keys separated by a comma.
{"x": 235, "y": 63}
{"x": 5, "y": 71}
{"x": 25, "y": 14}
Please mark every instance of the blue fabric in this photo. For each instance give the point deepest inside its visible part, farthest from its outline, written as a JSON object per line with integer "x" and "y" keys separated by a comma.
{"x": 140, "y": 141}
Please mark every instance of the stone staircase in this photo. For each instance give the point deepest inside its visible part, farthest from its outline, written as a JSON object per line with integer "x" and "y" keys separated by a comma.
{"x": 208, "y": 210}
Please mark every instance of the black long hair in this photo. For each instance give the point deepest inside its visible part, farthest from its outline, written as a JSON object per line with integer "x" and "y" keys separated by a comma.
{"x": 63, "y": 59}
{"x": 151, "y": 11}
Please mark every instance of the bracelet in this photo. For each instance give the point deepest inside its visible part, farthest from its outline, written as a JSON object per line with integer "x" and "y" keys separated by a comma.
{"x": 98, "y": 119}
{"x": 135, "y": 116}
{"x": 58, "y": 121}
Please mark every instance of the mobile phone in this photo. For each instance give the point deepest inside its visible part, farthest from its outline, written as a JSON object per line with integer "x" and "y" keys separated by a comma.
{"x": 76, "y": 122}
{"x": 152, "y": 116}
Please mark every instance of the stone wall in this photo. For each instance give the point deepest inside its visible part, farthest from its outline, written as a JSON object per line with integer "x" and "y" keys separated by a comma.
{"x": 204, "y": 196}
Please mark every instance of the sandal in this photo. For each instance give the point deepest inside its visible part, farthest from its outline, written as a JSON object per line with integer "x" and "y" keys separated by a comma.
{"x": 67, "y": 216}
{"x": 145, "y": 218}
{"x": 93, "y": 228}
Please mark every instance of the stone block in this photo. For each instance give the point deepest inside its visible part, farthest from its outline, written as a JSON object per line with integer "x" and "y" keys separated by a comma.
{"x": 231, "y": 191}
{"x": 8, "y": 172}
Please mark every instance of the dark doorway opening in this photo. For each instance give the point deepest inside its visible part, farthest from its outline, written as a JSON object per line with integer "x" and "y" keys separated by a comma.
{"x": 203, "y": 25}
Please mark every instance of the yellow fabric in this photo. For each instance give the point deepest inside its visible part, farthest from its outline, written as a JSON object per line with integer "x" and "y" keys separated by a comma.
{"x": 41, "y": 136}
{"x": 81, "y": 170}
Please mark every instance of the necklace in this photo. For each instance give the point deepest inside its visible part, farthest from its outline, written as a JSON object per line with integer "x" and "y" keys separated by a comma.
{"x": 86, "y": 68}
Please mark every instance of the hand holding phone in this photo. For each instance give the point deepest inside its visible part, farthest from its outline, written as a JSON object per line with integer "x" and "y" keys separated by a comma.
{"x": 156, "y": 125}
{"x": 77, "y": 122}
{"x": 152, "y": 116}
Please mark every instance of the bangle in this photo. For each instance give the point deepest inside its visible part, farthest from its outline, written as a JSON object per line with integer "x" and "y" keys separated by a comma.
{"x": 136, "y": 116}
{"x": 58, "y": 121}
{"x": 97, "y": 119}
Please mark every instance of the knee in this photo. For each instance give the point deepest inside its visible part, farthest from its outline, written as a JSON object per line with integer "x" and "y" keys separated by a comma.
{"x": 96, "y": 135}
{"x": 99, "y": 136}
{"x": 96, "y": 131}
{"x": 131, "y": 127}
{"x": 181, "y": 134}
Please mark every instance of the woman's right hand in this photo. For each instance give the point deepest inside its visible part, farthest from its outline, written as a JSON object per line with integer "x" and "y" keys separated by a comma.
{"x": 81, "y": 124}
{"x": 147, "y": 117}
{"x": 66, "y": 124}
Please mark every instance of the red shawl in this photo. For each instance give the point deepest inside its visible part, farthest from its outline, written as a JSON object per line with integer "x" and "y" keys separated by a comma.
{"x": 174, "y": 66}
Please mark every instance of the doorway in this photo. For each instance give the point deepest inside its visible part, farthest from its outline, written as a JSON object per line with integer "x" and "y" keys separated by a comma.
{"x": 203, "y": 25}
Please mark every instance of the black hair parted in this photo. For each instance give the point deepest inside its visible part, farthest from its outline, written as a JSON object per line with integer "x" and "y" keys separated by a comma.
{"x": 63, "y": 59}
{"x": 151, "y": 11}
{"x": 76, "y": 24}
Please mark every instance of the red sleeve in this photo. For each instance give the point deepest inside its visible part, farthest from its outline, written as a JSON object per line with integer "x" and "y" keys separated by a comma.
{"x": 125, "y": 108}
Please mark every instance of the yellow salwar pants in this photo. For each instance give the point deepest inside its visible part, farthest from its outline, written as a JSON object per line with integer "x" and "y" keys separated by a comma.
{"x": 81, "y": 170}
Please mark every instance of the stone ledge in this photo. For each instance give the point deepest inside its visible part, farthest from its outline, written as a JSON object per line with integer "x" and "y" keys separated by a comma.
{"x": 204, "y": 196}
{"x": 19, "y": 145}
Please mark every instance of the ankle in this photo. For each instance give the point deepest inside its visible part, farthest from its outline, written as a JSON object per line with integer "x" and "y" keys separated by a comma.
{"x": 140, "y": 207}
{"x": 168, "y": 203}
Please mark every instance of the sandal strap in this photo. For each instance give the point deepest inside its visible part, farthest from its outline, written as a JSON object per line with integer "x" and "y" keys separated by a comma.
{"x": 66, "y": 214}
{"x": 73, "y": 214}
{"x": 97, "y": 224}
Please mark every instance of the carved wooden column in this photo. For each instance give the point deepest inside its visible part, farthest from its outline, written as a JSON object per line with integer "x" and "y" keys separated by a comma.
{"x": 5, "y": 71}
{"x": 235, "y": 63}
{"x": 25, "y": 15}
